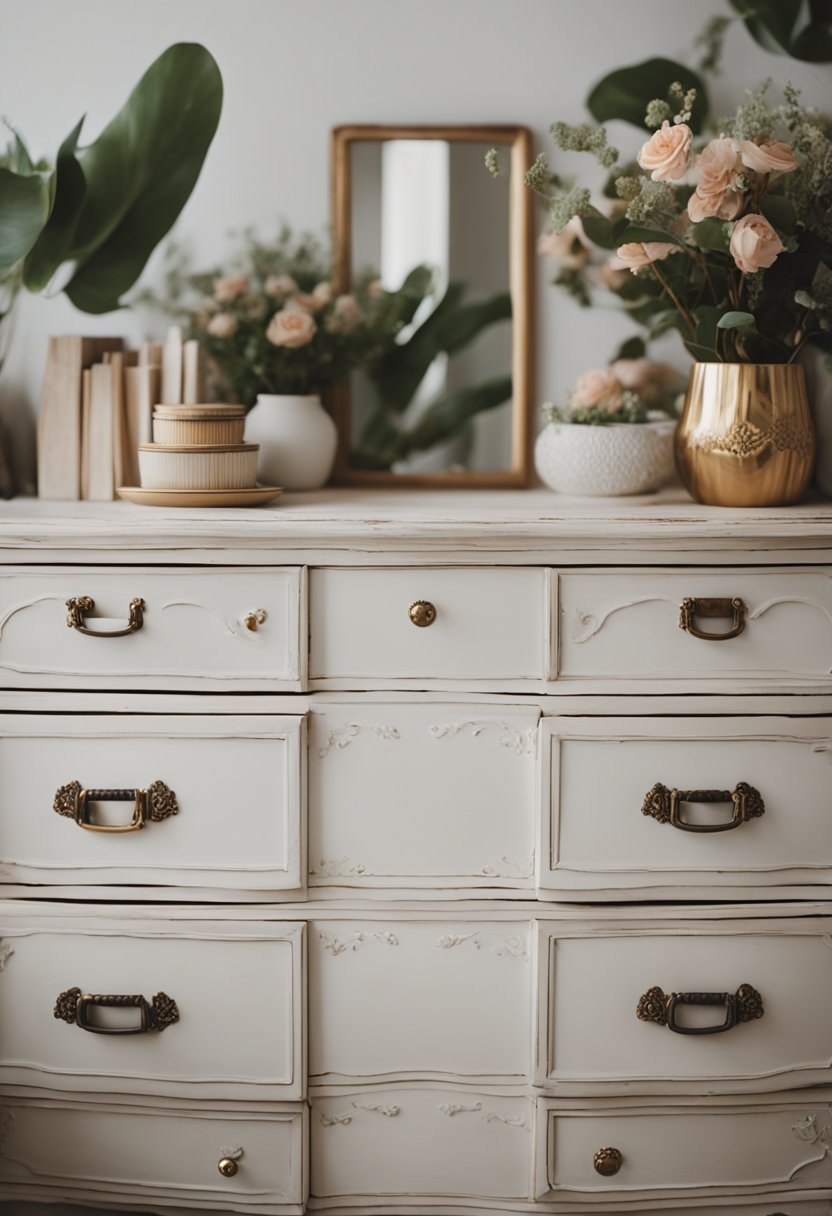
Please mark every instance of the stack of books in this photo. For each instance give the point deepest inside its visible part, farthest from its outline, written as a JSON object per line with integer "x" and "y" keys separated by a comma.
{"x": 97, "y": 408}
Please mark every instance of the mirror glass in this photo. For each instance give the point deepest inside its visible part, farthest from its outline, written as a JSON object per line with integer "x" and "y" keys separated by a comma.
{"x": 436, "y": 237}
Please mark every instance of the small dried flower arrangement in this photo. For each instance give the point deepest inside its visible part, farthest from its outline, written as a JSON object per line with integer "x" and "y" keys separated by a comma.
{"x": 628, "y": 391}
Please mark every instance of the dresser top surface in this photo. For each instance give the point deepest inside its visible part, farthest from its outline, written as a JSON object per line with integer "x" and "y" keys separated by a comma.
{"x": 381, "y": 518}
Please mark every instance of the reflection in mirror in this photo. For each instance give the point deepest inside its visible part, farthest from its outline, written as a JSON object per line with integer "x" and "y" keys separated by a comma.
{"x": 445, "y": 397}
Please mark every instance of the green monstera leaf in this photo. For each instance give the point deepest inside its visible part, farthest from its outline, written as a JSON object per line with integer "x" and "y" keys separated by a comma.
{"x": 25, "y": 199}
{"x": 140, "y": 172}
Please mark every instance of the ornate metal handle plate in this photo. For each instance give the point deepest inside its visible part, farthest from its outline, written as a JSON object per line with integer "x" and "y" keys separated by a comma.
{"x": 691, "y": 608}
{"x": 73, "y": 1006}
{"x": 744, "y": 1005}
{"x": 422, "y": 613}
{"x": 665, "y": 805}
{"x": 152, "y": 805}
{"x": 80, "y": 605}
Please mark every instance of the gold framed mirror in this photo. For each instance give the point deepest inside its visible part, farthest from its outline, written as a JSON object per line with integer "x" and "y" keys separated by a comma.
{"x": 447, "y": 398}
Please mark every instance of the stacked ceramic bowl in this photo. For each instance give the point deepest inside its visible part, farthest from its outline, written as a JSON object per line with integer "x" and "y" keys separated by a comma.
{"x": 198, "y": 447}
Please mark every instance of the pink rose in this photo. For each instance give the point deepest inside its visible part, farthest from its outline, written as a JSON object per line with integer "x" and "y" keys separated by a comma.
{"x": 775, "y": 157}
{"x": 635, "y": 254}
{"x": 291, "y": 327}
{"x": 717, "y": 193}
{"x": 322, "y": 294}
{"x": 600, "y": 387}
{"x": 227, "y": 289}
{"x": 222, "y": 325}
{"x": 651, "y": 380}
{"x": 346, "y": 315}
{"x": 279, "y": 286}
{"x": 665, "y": 155}
{"x": 560, "y": 246}
{"x": 614, "y": 273}
{"x": 754, "y": 244}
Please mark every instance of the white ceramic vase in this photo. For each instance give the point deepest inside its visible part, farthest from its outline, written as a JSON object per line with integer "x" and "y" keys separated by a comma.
{"x": 601, "y": 461}
{"x": 297, "y": 440}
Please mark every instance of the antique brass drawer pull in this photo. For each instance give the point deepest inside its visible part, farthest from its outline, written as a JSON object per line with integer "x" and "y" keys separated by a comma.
{"x": 227, "y": 1166}
{"x": 422, "y": 613}
{"x": 73, "y": 1006}
{"x": 665, "y": 805}
{"x": 691, "y": 608}
{"x": 152, "y": 805}
{"x": 608, "y": 1161}
{"x": 744, "y": 1005}
{"x": 80, "y": 605}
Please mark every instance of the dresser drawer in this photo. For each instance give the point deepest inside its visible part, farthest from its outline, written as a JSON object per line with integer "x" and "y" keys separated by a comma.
{"x": 420, "y": 1142}
{"x": 627, "y": 625}
{"x": 626, "y": 805}
{"x": 191, "y": 633}
{"x": 232, "y": 819}
{"x": 489, "y": 624}
{"x": 419, "y": 999}
{"x": 422, "y": 795}
{"x": 606, "y": 1023}
{"x": 149, "y": 1155}
{"x": 671, "y": 1153}
{"x": 237, "y": 992}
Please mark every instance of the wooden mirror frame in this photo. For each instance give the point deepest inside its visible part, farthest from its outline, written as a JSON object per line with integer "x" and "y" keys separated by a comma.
{"x": 520, "y": 286}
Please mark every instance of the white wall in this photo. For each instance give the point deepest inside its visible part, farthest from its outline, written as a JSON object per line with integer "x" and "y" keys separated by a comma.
{"x": 294, "y": 68}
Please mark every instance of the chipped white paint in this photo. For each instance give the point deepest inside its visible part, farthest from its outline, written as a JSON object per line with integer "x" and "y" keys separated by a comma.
{"x": 505, "y": 868}
{"x": 338, "y": 867}
{"x": 6, "y": 953}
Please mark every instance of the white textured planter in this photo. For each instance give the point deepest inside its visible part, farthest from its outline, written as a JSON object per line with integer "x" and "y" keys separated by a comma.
{"x": 297, "y": 441}
{"x": 602, "y": 461}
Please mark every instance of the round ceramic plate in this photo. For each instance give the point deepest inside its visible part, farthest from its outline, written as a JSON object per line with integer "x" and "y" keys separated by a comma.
{"x": 199, "y": 498}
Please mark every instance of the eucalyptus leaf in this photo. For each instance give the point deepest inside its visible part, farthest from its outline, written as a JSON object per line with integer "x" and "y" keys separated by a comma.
{"x": 599, "y": 229}
{"x": 25, "y": 200}
{"x": 711, "y": 233}
{"x": 447, "y": 414}
{"x": 736, "y": 320}
{"x": 55, "y": 239}
{"x": 625, "y": 93}
{"x": 140, "y": 173}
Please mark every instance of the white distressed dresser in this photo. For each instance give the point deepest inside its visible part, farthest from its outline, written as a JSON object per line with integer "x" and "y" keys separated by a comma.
{"x": 428, "y": 854}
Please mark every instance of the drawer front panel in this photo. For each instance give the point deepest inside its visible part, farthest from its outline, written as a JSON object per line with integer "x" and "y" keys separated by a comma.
{"x": 394, "y": 1000}
{"x": 490, "y": 625}
{"x": 600, "y": 773}
{"x": 421, "y": 1142}
{"x": 627, "y": 625}
{"x": 422, "y": 795}
{"x": 236, "y": 781}
{"x": 591, "y": 1037}
{"x": 193, "y": 632}
{"x": 153, "y": 1154}
{"x": 672, "y": 1153}
{"x": 238, "y": 995}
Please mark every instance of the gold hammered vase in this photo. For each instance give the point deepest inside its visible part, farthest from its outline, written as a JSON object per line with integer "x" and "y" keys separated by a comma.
{"x": 745, "y": 438}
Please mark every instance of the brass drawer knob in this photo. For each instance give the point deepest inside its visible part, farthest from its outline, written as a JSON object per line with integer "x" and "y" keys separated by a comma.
{"x": 422, "y": 613}
{"x": 252, "y": 619}
{"x": 608, "y": 1161}
{"x": 227, "y": 1167}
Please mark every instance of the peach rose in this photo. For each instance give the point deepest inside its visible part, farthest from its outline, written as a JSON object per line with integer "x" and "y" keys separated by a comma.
{"x": 291, "y": 327}
{"x": 227, "y": 289}
{"x": 305, "y": 300}
{"x": 774, "y": 157}
{"x": 717, "y": 193}
{"x": 560, "y": 246}
{"x": 754, "y": 244}
{"x": 346, "y": 314}
{"x": 635, "y": 254}
{"x": 651, "y": 380}
{"x": 614, "y": 273}
{"x": 322, "y": 294}
{"x": 279, "y": 286}
{"x": 600, "y": 387}
{"x": 665, "y": 155}
{"x": 222, "y": 325}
